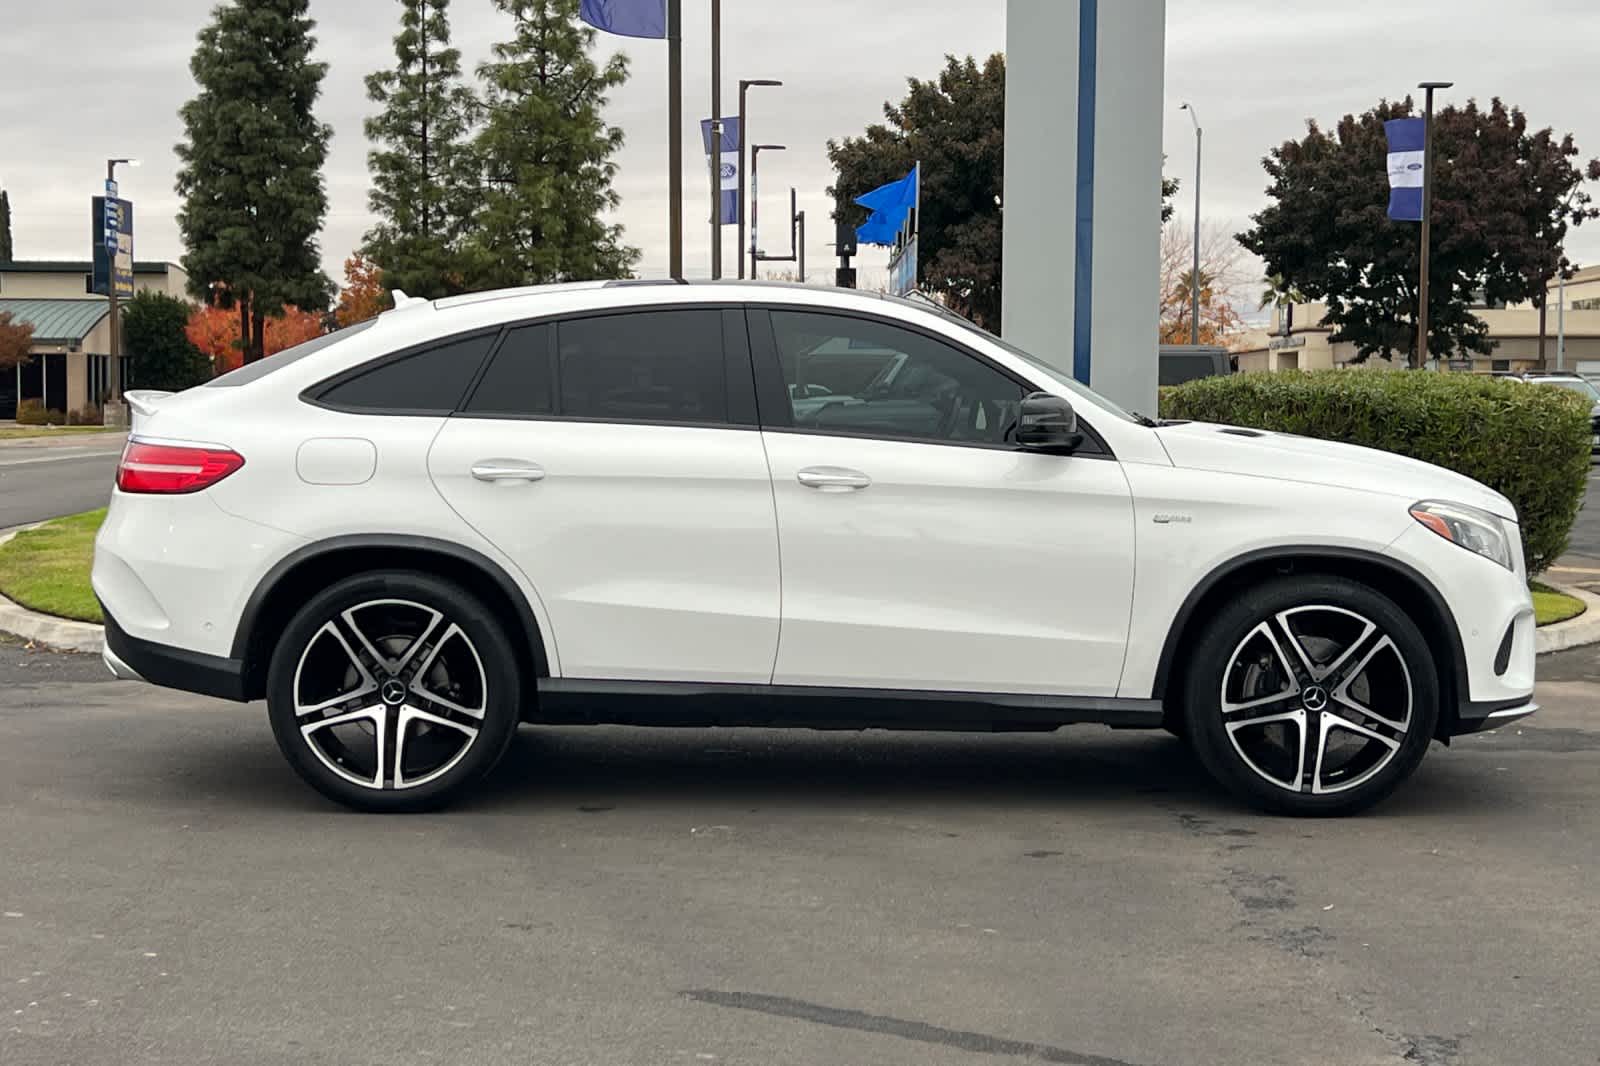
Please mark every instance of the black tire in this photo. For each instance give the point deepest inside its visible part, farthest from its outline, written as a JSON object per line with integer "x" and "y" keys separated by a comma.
{"x": 1326, "y": 612}
{"x": 397, "y": 605}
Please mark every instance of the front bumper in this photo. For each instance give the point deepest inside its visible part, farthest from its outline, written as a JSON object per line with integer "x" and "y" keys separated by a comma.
{"x": 1477, "y": 717}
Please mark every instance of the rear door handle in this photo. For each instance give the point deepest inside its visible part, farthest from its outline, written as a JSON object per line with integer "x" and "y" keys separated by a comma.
{"x": 507, "y": 470}
{"x": 832, "y": 478}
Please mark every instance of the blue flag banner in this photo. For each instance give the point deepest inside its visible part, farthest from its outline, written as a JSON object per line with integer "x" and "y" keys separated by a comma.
{"x": 727, "y": 166}
{"x": 889, "y": 204}
{"x": 1406, "y": 151}
{"x": 629, "y": 18}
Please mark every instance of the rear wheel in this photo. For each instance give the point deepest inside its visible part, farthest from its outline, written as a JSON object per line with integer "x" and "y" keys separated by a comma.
{"x": 393, "y": 691}
{"x": 1311, "y": 695}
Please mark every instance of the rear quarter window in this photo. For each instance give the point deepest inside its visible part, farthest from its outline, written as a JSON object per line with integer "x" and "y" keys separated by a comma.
{"x": 425, "y": 381}
{"x": 288, "y": 357}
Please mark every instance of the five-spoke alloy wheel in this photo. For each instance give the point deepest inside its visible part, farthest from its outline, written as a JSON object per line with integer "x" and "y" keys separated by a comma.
{"x": 393, "y": 691}
{"x": 1312, "y": 695}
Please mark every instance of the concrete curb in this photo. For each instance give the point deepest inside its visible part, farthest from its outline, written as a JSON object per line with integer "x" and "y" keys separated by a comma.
{"x": 62, "y": 633}
{"x": 1574, "y": 632}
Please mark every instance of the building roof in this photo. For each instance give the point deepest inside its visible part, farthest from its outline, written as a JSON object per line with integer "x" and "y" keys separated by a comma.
{"x": 57, "y": 321}
{"x": 72, "y": 266}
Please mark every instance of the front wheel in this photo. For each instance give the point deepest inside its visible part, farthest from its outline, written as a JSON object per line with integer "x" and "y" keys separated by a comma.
{"x": 393, "y": 691}
{"x": 1311, "y": 695}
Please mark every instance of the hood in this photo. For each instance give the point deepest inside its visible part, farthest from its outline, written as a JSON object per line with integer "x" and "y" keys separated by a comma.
{"x": 1282, "y": 456}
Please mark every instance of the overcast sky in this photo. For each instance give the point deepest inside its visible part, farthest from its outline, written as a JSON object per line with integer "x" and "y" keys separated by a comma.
{"x": 81, "y": 80}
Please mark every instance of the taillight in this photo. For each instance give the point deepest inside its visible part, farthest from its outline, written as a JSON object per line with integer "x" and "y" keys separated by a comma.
{"x": 174, "y": 468}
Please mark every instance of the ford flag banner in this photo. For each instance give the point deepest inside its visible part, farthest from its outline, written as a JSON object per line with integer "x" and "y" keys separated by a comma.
{"x": 629, "y": 18}
{"x": 728, "y": 166}
{"x": 1406, "y": 151}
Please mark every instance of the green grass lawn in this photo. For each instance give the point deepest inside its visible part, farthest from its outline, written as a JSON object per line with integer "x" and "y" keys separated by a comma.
{"x": 1550, "y": 606}
{"x": 47, "y": 569}
{"x": 19, "y": 432}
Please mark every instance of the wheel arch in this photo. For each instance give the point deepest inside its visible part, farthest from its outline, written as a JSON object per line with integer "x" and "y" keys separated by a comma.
{"x": 1410, "y": 590}
{"x": 290, "y": 582}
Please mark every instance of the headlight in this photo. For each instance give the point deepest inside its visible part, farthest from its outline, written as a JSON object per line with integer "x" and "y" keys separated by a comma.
{"x": 1475, "y": 530}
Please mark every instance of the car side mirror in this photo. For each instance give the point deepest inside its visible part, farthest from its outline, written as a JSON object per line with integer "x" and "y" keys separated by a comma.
{"x": 1047, "y": 423}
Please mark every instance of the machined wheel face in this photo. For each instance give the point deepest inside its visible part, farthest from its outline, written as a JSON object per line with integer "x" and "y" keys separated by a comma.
{"x": 1317, "y": 699}
{"x": 390, "y": 694}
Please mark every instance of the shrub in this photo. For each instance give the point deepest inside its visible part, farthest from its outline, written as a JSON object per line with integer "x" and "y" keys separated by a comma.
{"x": 1528, "y": 442}
{"x": 87, "y": 415}
{"x": 33, "y": 413}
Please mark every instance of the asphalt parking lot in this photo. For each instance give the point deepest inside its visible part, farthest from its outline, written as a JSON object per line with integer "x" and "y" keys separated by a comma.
{"x": 172, "y": 894}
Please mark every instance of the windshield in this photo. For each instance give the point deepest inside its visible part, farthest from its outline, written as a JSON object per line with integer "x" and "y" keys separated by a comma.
{"x": 1066, "y": 380}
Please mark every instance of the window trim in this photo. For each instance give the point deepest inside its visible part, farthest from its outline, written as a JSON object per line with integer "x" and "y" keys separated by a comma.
{"x": 313, "y": 394}
{"x": 773, "y": 393}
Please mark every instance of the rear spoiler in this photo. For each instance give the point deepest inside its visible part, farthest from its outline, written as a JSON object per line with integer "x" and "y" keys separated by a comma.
{"x": 142, "y": 403}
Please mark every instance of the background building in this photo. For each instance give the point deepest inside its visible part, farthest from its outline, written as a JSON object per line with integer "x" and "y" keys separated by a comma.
{"x": 70, "y": 366}
{"x": 1514, "y": 330}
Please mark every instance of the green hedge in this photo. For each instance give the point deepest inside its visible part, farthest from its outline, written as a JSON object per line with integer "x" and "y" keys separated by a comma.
{"x": 1529, "y": 442}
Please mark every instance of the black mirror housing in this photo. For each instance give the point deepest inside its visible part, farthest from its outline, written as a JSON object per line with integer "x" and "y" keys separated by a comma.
{"x": 1047, "y": 423}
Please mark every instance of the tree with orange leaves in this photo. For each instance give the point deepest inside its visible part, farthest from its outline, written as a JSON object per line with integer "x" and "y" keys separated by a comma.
{"x": 215, "y": 332}
{"x": 363, "y": 296}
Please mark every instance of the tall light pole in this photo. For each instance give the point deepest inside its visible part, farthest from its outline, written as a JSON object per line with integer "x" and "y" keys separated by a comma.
{"x": 716, "y": 139}
{"x": 115, "y": 369}
{"x": 675, "y": 138}
{"x": 745, "y": 85}
{"x": 1194, "y": 273}
{"x": 1427, "y": 216}
{"x": 755, "y": 198}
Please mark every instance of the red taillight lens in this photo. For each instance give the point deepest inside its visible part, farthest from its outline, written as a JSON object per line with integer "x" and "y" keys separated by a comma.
{"x": 173, "y": 468}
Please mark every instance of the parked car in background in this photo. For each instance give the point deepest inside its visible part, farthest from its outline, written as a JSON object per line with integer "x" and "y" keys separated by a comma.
{"x": 757, "y": 505}
{"x": 1190, "y": 362}
{"x": 1576, "y": 383}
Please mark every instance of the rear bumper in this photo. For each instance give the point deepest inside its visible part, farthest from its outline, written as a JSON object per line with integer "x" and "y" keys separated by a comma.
{"x": 160, "y": 664}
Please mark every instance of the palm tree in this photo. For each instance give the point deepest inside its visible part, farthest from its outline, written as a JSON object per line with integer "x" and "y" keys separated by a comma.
{"x": 1282, "y": 296}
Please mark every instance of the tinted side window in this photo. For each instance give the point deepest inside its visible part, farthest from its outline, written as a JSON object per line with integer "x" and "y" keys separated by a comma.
{"x": 858, "y": 376}
{"x": 431, "y": 381}
{"x": 518, "y": 381}
{"x": 653, "y": 366}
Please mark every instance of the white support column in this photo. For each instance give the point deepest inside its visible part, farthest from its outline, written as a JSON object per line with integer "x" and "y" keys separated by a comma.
{"x": 1084, "y": 85}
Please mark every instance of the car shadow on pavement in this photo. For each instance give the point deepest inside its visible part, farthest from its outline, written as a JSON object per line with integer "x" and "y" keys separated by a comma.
{"x": 599, "y": 766}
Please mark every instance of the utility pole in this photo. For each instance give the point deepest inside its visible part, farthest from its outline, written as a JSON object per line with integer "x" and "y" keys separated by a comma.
{"x": 1420, "y": 359}
{"x": 1194, "y": 274}
{"x": 745, "y": 86}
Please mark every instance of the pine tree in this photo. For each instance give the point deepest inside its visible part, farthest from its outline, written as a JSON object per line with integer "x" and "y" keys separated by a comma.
{"x": 251, "y": 179}
{"x": 424, "y": 178}
{"x": 7, "y": 251}
{"x": 546, "y": 155}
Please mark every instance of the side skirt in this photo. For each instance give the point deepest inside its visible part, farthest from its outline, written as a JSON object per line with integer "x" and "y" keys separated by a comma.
{"x": 699, "y": 704}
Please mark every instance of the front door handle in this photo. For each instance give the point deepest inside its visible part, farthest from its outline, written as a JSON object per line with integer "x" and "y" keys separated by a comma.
{"x": 832, "y": 478}
{"x": 507, "y": 470}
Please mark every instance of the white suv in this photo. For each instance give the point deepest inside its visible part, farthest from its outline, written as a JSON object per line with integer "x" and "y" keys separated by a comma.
{"x": 732, "y": 504}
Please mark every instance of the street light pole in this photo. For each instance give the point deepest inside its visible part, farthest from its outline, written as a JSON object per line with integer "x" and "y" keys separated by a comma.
{"x": 755, "y": 199}
{"x": 675, "y": 138}
{"x": 114, "y": 370}
{"x": 716, "y": 139}
{"x": 1561, "y": 294}
{"x": 745, "y": 85}
{"x": 1194, "y": 273}
{"x": 1421, "y": 357}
